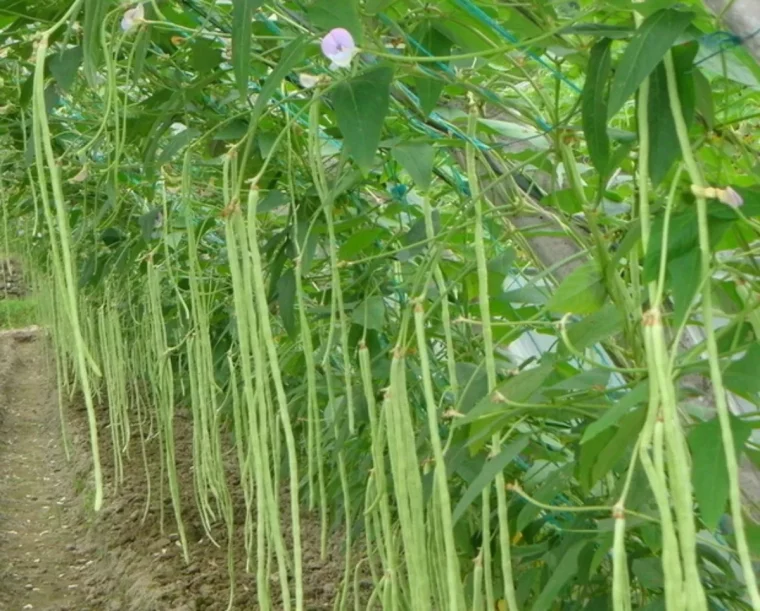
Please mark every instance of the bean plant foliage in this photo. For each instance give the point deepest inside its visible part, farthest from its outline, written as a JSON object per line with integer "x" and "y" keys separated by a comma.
{"x": 475, "y": 281}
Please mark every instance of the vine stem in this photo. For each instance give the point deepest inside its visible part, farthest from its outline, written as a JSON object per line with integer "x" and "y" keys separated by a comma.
{"x": 488, "y": 345}
{"x": 673, "y": 570}
{"x": 716, "y": 375}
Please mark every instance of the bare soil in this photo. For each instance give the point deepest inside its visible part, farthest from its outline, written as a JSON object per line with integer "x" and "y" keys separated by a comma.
{"x": 57, "y": 555}
{"x": 41, "y": 566}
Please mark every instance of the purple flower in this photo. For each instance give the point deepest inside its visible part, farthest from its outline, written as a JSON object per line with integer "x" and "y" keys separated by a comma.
{"x": 133, "y": 17}
{"x": 339, "y": 47}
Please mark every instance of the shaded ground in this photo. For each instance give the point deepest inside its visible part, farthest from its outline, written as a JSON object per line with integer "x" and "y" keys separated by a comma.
{"x": 40, "y": 567}
{"x": 55, "y": 555}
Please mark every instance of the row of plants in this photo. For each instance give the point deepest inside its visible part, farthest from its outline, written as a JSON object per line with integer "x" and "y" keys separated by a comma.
{"x": 329, "y": 230}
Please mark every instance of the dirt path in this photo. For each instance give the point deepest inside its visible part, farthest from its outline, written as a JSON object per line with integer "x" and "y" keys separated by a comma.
{"x": 56, "y": 555}
{"x": 40, "y": 567}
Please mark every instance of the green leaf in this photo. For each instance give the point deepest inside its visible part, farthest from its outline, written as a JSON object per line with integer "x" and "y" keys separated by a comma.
{"x": 594, "y": 105}
{"x": 709, "y": 471}
{"x": 176, "y": 144}
{"x": 291, "y": 56}
{"x": 7, "y": 20}
{"x": 646, "y": 49}
{"x": 370, "y": 313}
{"x": 704, "y": 98}
{"x": 730, "y": 66}
{"x": 375, "y": 6}
{"x": 662, "y": 128}
{"x": 359, "y": 241}
{"x": 271, "y": 201}
{"x": 286, "y": 298}
{"x": 684, "y": 281}
{"x": 582, "y": 292}
{"x": 751, "y": 197}
{"x": 242, "y": 23}
{"x": 487, "y": 475}
{"x": 553, "y": 485}
{"x": 584, "y": 380}
{"x": 529, "y": 136}
{"x": 503, "y": 263}
{"x": 204, "y": 56}
{"x": 527, "y": 294}
{"x": 64, "y": 66}
{"x": 361, "y": 104}
{"x": 329, "y": 14}
{"x": 645, "y": 8}
{"x": 437, "y": 44}
{"x": 605, "y": 542}
{"x": 519, "y": 388}
{"x": 634, "y": 397}
{"x": 428, "y": 91}
{"x": 417, "y": 159}
{"x": 307, "y": 243}
{"x": 753, "y": 537}
{"x": 94, "y": 15}
{"x": 649, "y": 572}
{"x": 598, "y": 29}
{"x": 142, "y": 44}
{"x": 742, "y": 376}
{"x": 683, "y": 236}
{"x": 566, "y": 569}
{"x": 594, "y": 328}
{"x": 234, "y": 130}
{"x": 566, "y": 200}
{"x": 473, "y": 383}
{"x": 604, "y": 451}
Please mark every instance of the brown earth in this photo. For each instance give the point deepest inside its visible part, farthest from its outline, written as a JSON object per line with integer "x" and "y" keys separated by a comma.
{"x": 57, "y": 555}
